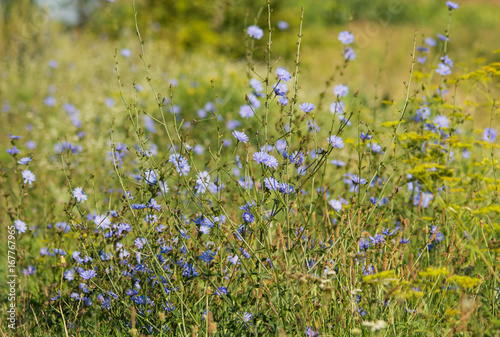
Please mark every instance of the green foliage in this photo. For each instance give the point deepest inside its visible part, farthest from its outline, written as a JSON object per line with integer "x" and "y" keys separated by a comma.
{"x": 403, "y": 239}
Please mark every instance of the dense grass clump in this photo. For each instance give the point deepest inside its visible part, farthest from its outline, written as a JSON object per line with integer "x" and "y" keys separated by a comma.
{"x": 224, "y": 200}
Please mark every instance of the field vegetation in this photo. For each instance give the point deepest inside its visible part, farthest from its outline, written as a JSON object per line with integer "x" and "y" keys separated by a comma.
{"x": 250, "y": 168}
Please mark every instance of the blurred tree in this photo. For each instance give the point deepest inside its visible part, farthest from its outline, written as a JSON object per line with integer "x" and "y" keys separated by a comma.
{"x": 220, "y": 23}
{"x": 187, "y": 24}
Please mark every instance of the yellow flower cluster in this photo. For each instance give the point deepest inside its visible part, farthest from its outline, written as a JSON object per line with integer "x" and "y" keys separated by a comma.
{"x": 493, "y": 227}
{"x": 488, "y": 209}
{"x": 379, "y": 276}
{"x": 414, "y": 136}
{"x": 451, "y": 312}
{"x": 464, "y": 281}
{"x": 412, "y": 294}
{"x": 434, "y": 272}
{"x": 392, "y": 123}
{"x": 483, "y": 74}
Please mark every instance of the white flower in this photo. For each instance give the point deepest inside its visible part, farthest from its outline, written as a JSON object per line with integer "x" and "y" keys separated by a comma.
{"x": 102, "y": 221}
{"x": 20, "y": 226}
{"x": 163, "y": 187}
{"x": 341, "y": 90}
{"x": 336, "y": 205}
{"x": 255, "y": 32}
{"x": 375, "y": 326}
{"x": 202, "y": 182}
{"x": 79, "y": 194}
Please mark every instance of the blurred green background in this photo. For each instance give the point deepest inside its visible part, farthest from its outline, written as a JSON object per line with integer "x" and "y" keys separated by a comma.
{"x": 31, "y": 27}
{"x": 207, "y": 38}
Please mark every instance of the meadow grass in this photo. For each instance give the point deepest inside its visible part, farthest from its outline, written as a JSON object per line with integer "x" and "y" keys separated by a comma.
{"x": 269, "y": 195}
